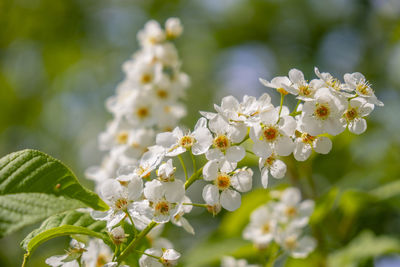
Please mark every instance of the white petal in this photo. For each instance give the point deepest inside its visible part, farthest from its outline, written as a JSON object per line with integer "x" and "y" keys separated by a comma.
{"x": 306, "y": 246}
{"x": 230, "y": 200}
{"x": 242, "y": 181}
{"x": 236, "y": 133}
{"x": 235, "y": 153}
{"x": 278, "y": 169}
{"x": 262, "y": 149}
{"x": 214, "y": 154}
{"x": 323, "y": 145}
{"x": 296, "y": 76}
{"x": 186, "y": 225}
{"x": 166, "y": 139}
{"x": 210, "y": 170}
{"x": 203, "y": 141}
{"x": 291, "y": 196}
{"x": 358, "y": 126}
{"x": 211, "y": 194}
{"x": 135, "y": 188}
{"x": 284, "y": 146}
{"x": 264, "y": 177}
{"x": 334, "y": 126}
{"x": 301, "y": 151}
{"x": 174, "y": 191}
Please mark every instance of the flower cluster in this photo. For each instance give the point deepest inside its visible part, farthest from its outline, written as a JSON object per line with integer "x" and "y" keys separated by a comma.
{"x": 146, "y": 101}
{"x": 147, "y": 191}
{"x": 282, "y": 221}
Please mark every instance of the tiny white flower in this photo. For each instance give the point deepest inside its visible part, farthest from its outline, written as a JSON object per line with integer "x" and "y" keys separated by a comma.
{"x": 226, "y": 137}
{"x": 173, "y": 28}
{"x": 69, "y": 259}
{"x": 164, "y": 199}
{"x": 166, "y": 171}
{"x": 272, "y": 165}
{"x": 247, "y": 112}
{"x": 224, "y": 181}
{"x": 273, "y": 134}
{"x": 299, "y": 86}
{"x": 151, "y": 34}
{"x": 261, "y": 229}
{"x": 291, "y": 209}
{"x": 167, "y": 258}
{"x": 305, "y": 143}
{"x": 279, "y": 83}
{"x": 176, "y": 142}
{"x": 97, "y": 254}
{"x": 324, "y": 114}
{"x": 296, "y": 245}
{"x": 120, "y": 198}
{"x": 358, "y": 109}
{"x": 357, "y": 82}
{"x": 333, "y": 83}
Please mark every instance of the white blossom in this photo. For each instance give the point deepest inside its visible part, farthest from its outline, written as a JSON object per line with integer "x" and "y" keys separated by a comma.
{"x": 226, "y": 184}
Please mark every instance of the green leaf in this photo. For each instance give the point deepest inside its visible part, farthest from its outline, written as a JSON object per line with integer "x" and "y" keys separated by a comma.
{"x": 387, "y": 191}
{"x": 19, "y": 210}
{"x": 34, "y": 186}
{"x": 364, "y": 246}
{"x": 67, "y": 223}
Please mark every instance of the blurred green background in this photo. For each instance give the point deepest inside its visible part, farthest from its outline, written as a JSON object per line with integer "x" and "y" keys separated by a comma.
{"x": 60, "y": 60}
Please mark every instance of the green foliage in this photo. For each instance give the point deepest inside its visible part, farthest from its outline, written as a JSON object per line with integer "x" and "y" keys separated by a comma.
{"x": 365, "y": 246}
{"x": 34, "y": 186}
{"x": 211, "y": 251}
{"x": 19, "y": 210}
{"x": 67, "y": 223}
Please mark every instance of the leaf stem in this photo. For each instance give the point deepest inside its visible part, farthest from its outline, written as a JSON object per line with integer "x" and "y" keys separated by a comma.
{"x": 194, "y": 162}
{"x": 196, "y": 205}
{"x": 193, "y": 178}
{"x": 183, "y": 167}
{"x": 136, "y": 241}
{"x": 133, "y": 224}
{"x": 280, "y": 107}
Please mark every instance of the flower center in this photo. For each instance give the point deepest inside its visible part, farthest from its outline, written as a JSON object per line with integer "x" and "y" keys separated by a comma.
{"x": 334, "y": 83}
{"x": 270, "y": 133}
{"x": 351, "y": 114}
{"x": 122, "y": 138}
{"x": 304, "y": 90}
{"x": 291, "y": 242}
{"x": 223, "y": 181}
{"x": 101, "y": 260}
{"x": 270, "y": 160}
{"x": 121, "y": 204}
{"x": 322, "y": 111}
{"x": 306, "y": 138}
{"x": 146, "y": 78}
{"x": 266, "y": 228}
{"x": 222, "y": 142}
{"x": 187, "y": 141}
{"x": 282, "y": 91}
{"x": 161, "y": 93}
{"x": 363, "y": 88}
{"x": 291, "y": 211}
{"x": 142, "y": 112}
{"x": 162, "y": 208}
